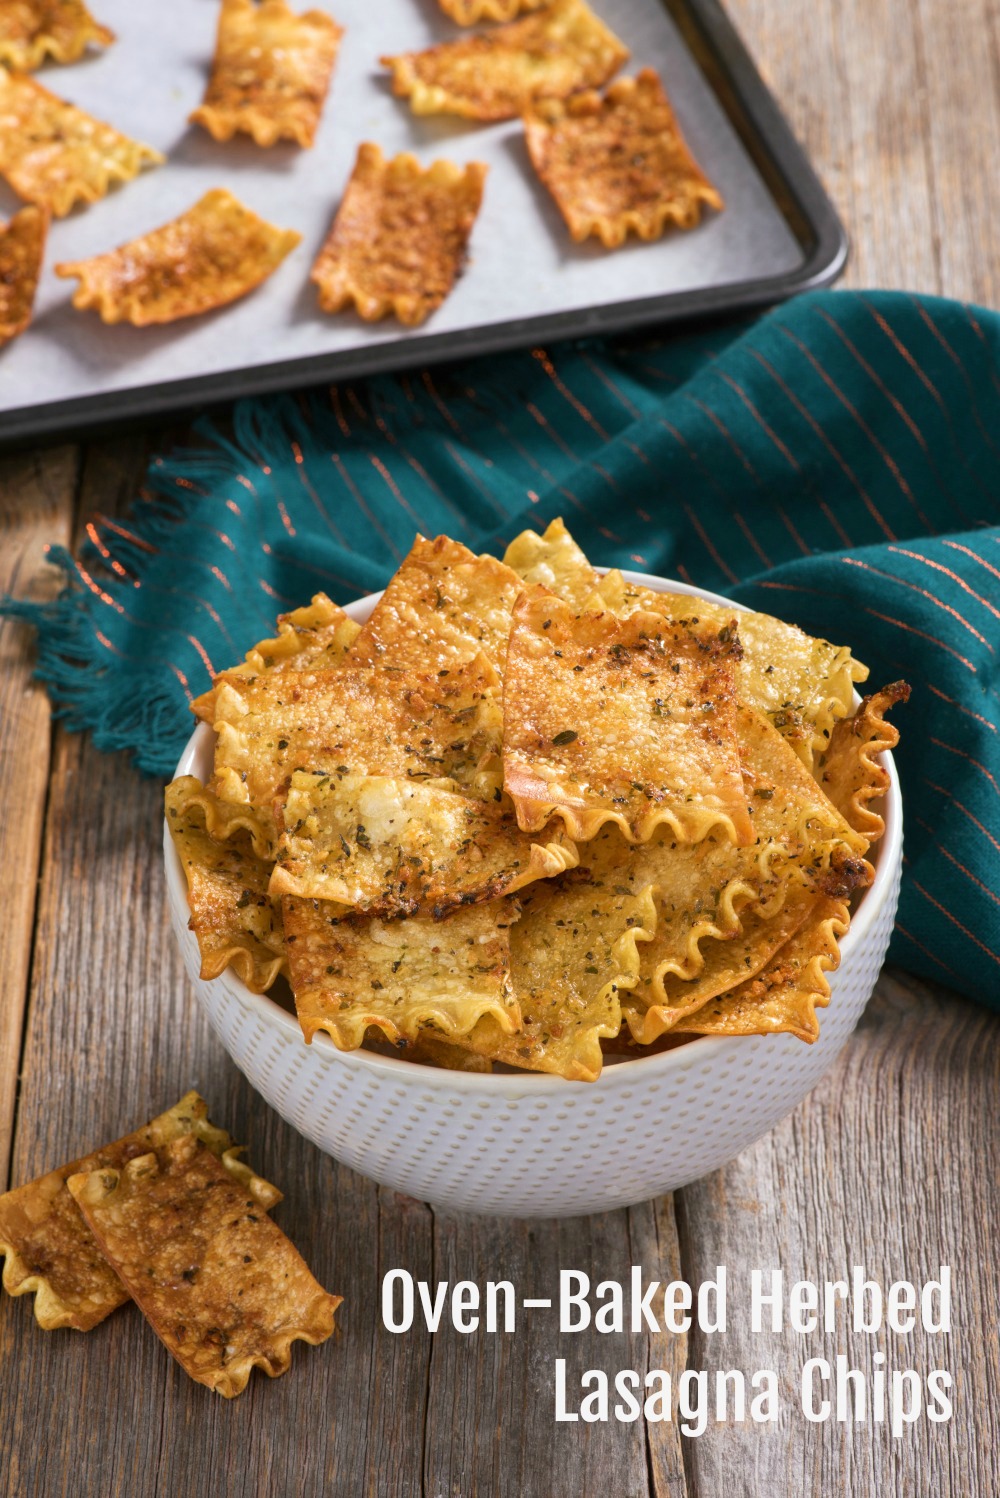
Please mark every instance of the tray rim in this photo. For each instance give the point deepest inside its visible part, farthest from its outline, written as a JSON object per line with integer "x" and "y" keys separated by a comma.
{"x": 776, "y": 153}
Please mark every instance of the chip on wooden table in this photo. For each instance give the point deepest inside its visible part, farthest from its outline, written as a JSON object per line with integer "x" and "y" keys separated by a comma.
{"x": 442, "y": 726}
{"x": 270, "y": 72}
{"x": 218, "y": 1281}
{"x": 318, "y": 634}
{"x": 400, "y": 236}
{"x": 554, "y": 561}
{"x": 784, "y": 996}
{"x": 851, "y": 771}
{"x": 49, "y": 1250}
{"x": 56, "y": 155}
{"x": 232, "y": 914}
{"x": 629, "y": 720}
{"x": 349, "y": 972}
{"x": 442, "y": 605}
{"x": 618, "y": 164}
{"x": 801, "y": 684}
{"x": 22, "y": 246}
{"x": 573, "y": 952}
{"x": 33, "y": 30}
{"x": 497, "y": 74}
{"x": 470, "y": 12}
{"x": 209, "y": 256}
{"x": 391, "y": 847}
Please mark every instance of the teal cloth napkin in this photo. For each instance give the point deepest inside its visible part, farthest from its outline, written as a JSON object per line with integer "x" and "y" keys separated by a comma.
{"x": 834, "y": 462}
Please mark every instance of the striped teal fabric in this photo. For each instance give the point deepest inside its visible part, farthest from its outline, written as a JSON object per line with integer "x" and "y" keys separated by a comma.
{"x": 834, "y": 462}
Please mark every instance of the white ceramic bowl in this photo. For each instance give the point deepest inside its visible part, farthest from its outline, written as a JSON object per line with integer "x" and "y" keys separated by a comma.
{"x": 527, "y": 1145}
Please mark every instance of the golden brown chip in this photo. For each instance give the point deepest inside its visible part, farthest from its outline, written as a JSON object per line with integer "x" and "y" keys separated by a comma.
{"x": 470, "y": 12}
{"x": 851, "y": 772}
{"x": 350, "y": 972}
{"x": 443, "y": 605}
{"x": 232, "y": 915}
{"x": 785, "y": 994}
{"x": 801, "y": 684}
{"x": 431, "y": 1050}
{"x": 218, "y": 1281}
{"x": 270, "y": 73}
{"x": 319, "y": 634}
{"x": 625, "y": 720}
{"x": 33, "y": 30}
{"x": 441, "y": 726}
{"x": 497, "y": 74}
{"x": 393, "y": 847}
{"x": 54, "y": 154}
{"x": 400, "y": 236}
{"x": 213, "y": 254}
{"x": 573, "y": 952}
{"x": 554, "y": 561}
{"x": 51, "y": 1252}
{"x": 22, "y": 245}
{"x": 618, "y": 164}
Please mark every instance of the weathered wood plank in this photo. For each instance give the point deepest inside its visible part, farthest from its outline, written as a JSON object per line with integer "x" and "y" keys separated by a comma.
{"x": 892, "y": 1163}
{"x": 36, "y": 507}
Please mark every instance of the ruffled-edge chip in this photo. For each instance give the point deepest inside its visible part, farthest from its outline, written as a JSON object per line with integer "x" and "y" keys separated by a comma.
{"x": 22, "y": 245}
{"x": 217, "y": 1280}
{"x": 574, "y": 951}
{"x": 394, "y": 847}
{"x": 270, "y": 73}
{"x": 213, "y": 254}
{"x": 626, "y": 720}
{"x": 33, "y": 30}
{"x": 784, "y": 996}
{"x": 553, "y": 560}
{"x": 618, "y": 164}
{"x": 232, "y": 914}
{"x": 851, "y": 772}
{"x": 442, "y": 606}
{"x": 349, "y": 972}
{"x": 55, "y": 155}
{"x": 471, "y": 12}
{"x": 801, "y": 684}
{"x": 400, "y": 236}
{"x": 319, "y": 634}
{"x": 497, "y": 74}
{"x": 49, "y": 1250}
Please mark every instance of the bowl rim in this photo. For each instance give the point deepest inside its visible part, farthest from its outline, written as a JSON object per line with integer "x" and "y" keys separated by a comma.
{"x": 514, "y": 1085}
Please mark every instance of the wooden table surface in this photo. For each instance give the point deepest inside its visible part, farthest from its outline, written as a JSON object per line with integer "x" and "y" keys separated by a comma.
{"x": 893, "y": 1162}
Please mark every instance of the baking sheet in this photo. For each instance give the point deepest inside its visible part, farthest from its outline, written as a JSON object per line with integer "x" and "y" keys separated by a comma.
{"x": 523, "y": 265}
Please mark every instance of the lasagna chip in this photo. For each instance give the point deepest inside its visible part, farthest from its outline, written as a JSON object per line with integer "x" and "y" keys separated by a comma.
{"x": 231, "y": 912}
{"x": 350, "y": 972}
{"x": 211, "y": 255}
{"x": 553, "y": 561}
{"x": 395, "y": 847}
{"x": 628, "y": 720}
{"x": 218, "y": 1281}
{"x": 851, "y": 772}
{"x": 319, "y": 634}
{"x": 22, "y": 245}
{"x": 400, "y": 236}
{"x": 55, "y": 155}
{"x": 51, "y": 1252}
{"x": 441, "y": 607}
{"x": 618, "y": 164}
{"x": 784, "y": 996}
{"x": 498, "y": 74}
{"x": 802, "y": 685}
{"x": 442, "y": 726}
{"x": 270, "y": 73}
{"x": 33, "y": 30}
{"x": 469, "y": 12}
{"x": 572, "y": 953}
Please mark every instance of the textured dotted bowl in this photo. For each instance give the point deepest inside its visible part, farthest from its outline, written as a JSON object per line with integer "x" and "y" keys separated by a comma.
{"x": 527, "y": 1145}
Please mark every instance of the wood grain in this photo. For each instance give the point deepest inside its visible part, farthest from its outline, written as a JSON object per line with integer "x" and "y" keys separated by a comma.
{"x": 36, "y": 507}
